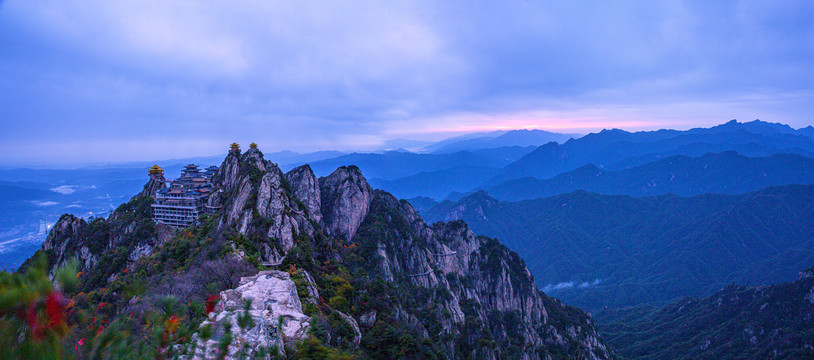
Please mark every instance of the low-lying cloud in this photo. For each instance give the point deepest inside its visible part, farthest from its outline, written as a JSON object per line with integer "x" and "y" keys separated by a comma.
{"x": 70, "y": 189}
{"x": 45, "y": 203}
{"x": 64, "y": 189}
{"x": 571, "y": 285}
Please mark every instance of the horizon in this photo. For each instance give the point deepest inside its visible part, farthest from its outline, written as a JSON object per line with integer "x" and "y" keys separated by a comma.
{"x": 99, "y": 82}
{"x": 420, "y": 150}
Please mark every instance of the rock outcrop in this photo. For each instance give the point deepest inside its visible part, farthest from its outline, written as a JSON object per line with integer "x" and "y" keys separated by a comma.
{"x": 276, "y": 317}
{"x": 256, "y": 201}
{"x": 346, "y": 198}
{"x": 306, "y": 188}
{"x": 151, "y": 187}
{"x": 65, "y": 241}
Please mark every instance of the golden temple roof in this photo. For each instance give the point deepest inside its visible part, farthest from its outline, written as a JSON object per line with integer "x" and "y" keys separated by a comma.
{"x": 156, "y": 170}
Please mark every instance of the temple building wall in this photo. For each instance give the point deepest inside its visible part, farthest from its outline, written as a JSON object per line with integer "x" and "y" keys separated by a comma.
{"x": 184, "y": 200}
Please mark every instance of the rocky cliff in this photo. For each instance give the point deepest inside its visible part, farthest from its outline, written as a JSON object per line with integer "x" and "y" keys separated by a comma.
{"x": 152, "y": 186}
{"x": 258, "y": 201}
{"x": 128, "y": 234}
{"x": 346, "y": 198}
{"x": 470, "y": 295}
{"x": 467, "y": 295}
{"x": 305, "y": 186}
{"x": 363, "y": 273}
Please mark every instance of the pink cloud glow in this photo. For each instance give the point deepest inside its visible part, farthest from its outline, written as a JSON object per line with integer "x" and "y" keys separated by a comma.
{"x": 573, "y": 122}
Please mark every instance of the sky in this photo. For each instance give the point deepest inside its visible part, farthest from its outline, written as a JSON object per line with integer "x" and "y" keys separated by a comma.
{"x": 106, "y": 81}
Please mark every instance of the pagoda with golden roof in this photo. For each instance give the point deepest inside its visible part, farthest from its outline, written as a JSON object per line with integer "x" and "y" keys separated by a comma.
{"x": 156, "y": 172}
{"x": 234, "y": 147}
{"x": 253, "y": 146}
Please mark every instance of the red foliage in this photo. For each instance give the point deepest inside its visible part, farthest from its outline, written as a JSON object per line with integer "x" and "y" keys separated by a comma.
{"x": 33, "y": 320}
{"x": 39, "y": 323}
{"x": 55, "y": 309}
{"x": 210, "y": 303}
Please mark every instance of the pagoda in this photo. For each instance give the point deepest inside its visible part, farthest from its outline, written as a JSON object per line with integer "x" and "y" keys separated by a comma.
{"x": 156, "y": 173}
{"x": 253, "y": 146}
{"x": 235, "y": 148}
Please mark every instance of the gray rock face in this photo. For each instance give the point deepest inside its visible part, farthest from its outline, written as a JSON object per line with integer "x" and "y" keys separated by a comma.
{"x": 357, "y": 337}
{"x": 276, "y": 313}
{"x": 255, "y": 201}
{"x": 65, "y": 241}
{"x": 368, "y": 319}
{"x": 306, "y": 188}
{"x": 227, "y": 174}
{"x": 483, "y": 279}
{"x": 346, "y": 198}
{"x": 151, "y": 187}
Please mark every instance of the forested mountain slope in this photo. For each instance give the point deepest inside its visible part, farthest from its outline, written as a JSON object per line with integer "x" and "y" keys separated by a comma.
{"x": 737, "y": 322}
{"x": 719, "y": 173}
{"x": 596, "y": 250}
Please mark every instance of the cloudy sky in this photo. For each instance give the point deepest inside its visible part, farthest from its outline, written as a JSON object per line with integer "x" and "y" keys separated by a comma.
{"x": 100, "y": 80}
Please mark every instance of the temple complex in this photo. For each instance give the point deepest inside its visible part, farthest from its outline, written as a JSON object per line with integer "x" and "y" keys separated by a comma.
{"x": 185, "y": 198}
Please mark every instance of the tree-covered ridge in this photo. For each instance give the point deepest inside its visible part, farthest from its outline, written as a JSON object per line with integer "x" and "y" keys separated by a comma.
{"x": 601, "y": 250}
{"x": 737, "y": 322}
{"x": 718, "y": 173}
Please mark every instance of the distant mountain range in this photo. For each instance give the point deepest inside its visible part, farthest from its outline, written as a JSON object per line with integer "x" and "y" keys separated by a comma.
{"x": 439, "y": 174}
{"x": 596, "y": 250}
{"x": 617, "y": 149}
{"x": 737, "y": 322}
{"x": 497, "y": 139}
{"x": 395, "y": 164}
{"x": 721, "y": 173}
{"x": 437, "y": 184}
